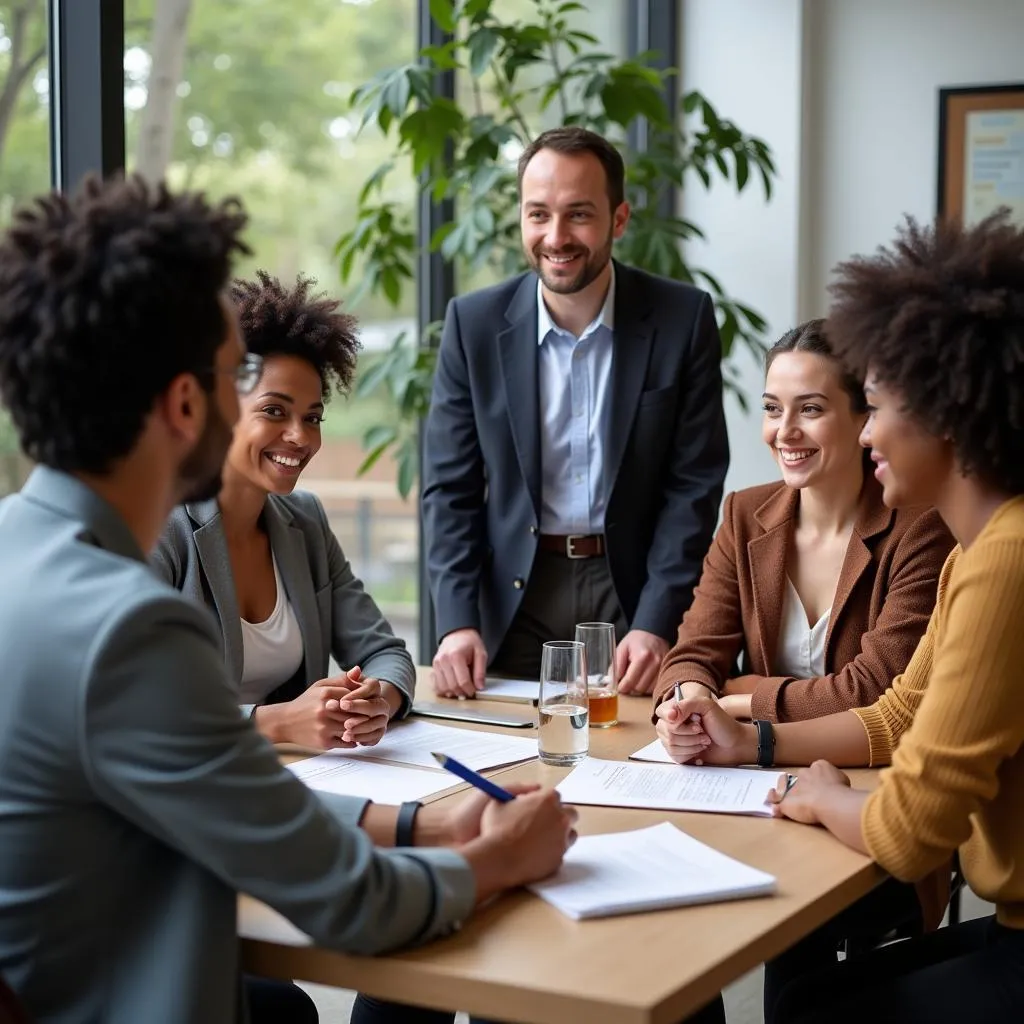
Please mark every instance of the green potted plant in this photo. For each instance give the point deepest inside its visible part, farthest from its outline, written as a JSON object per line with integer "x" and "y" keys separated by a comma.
{"x": 521, "y": 76}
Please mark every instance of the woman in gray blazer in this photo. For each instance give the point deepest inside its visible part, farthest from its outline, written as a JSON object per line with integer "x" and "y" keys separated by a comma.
{"x": 263, "y": 558}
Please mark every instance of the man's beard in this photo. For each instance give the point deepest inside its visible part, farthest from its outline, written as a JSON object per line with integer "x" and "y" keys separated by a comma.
{"x": 200, "y": 473}
{"x": 593, "y": 264}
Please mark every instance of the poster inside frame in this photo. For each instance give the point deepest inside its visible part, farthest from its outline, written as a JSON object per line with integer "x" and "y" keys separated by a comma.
{"x": 981, "y": 152}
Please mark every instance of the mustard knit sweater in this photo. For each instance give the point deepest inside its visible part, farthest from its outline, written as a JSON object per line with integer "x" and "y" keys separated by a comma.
{"x": 952, "y": 727}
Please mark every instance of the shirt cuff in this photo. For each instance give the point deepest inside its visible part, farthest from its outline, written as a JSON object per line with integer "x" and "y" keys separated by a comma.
{"x": 453, "y": 888}
{"x": 765, "y": 700}
{"x": 879, "y": 744}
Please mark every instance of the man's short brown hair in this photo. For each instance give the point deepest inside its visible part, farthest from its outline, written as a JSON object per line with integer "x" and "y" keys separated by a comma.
{"x": 572, "y": 140}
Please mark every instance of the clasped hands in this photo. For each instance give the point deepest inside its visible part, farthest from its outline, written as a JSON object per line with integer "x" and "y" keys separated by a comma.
{"x": 341, "y": 711}
{"x": 698, "y": 730}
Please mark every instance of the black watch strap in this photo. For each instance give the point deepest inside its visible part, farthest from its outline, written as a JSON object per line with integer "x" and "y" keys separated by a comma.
{"x": 406, "y": 820}
{"x": 765, "y": 743}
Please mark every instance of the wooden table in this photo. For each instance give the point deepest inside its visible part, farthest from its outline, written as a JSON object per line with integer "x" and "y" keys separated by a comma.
{"x": 521, "y": 960}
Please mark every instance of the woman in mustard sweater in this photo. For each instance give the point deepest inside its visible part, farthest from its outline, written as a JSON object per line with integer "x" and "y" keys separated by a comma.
{"x": 936, "y": 323}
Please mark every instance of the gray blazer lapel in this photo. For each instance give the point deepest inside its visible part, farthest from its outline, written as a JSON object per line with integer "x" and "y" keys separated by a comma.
{"x": 212, "y": 547}
{"x": 631, "y": 352}
{"x": 289, "y": 547}
{"x": 517, "y": 351}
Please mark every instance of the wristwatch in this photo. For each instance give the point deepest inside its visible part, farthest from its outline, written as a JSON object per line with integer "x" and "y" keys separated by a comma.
{"x": 406, "y": 821}
{"x": 765, "y": 743}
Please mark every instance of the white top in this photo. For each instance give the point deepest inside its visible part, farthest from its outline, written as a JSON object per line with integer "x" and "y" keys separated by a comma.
{"x": 574, "y": 381}
{"x": 271, "y": 651}
{"x": 801, "y": 650}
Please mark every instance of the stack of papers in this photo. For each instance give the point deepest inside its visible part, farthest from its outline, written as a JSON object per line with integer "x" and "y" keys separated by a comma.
{"x": 646, "y": 869}
{"x": 652, "y": 752}
{"x": 401, "y": 767}
{"x": 381, "y": 783}
{"x": 675, "y": 787}
{"x": 411, "y": 743}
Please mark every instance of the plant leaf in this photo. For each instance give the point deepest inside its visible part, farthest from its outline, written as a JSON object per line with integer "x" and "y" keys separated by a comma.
{"x": 379, "y": 436}
{"x": 443, "y": 12}
{"x": 406, "y": 468}
{"x": 482, "y": 45}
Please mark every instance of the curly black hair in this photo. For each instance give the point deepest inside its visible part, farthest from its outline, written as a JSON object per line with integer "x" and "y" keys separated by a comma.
{"x": 939, "y": 318}
{"x": 105, "y": 297}
{"x": 298, "y": 322}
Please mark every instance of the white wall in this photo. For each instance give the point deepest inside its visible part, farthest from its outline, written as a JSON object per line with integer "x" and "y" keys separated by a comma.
{"x": 744, "y": 55}
{"x": 871, "y": 138}
{"x": 846, "y": 94}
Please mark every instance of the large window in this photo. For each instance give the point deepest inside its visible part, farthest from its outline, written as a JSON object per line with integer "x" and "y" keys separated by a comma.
{"x": 249, "y": 98}
{"x": 24, "y": 150}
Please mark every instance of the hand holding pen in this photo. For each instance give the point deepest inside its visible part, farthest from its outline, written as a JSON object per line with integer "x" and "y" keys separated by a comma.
{"x": 697, "y": 730}
{"x": 523, "y": 830}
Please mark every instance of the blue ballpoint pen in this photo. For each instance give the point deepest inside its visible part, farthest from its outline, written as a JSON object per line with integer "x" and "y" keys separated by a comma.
{"x": 472, "y": 777}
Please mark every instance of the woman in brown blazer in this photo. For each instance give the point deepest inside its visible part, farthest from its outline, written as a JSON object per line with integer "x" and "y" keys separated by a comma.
{"x": 821, "y": 589}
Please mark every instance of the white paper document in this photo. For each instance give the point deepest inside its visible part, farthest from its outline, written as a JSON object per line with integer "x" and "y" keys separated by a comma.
{"x": 411, "y": 743}
{"x": 652, "y": 752}
{"x": 519, "y": 691}
{"x": 382, "y": 783}
{"x": 675, "y": 787}
{"x": 646, "y": 869}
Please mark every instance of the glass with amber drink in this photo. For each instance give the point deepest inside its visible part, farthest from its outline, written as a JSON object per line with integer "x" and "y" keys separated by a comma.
{"x": 602, "y": 686}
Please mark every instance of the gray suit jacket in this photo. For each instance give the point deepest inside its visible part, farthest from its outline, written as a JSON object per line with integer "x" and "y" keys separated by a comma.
{"x": 665, "y": 445}
{"x": 335, "y": 614}
{"x": 135, "y": 801}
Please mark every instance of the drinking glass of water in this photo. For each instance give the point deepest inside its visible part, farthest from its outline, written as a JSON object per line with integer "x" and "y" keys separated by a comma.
{"x": 599, "y": 640}
{"x": 564, "y": 710}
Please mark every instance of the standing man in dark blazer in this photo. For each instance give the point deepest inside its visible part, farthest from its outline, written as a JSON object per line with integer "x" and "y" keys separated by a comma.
{"x": 576, "y": 445}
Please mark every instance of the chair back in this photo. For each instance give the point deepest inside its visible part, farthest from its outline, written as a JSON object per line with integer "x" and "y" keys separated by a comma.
{"x": 11, "y": 1010}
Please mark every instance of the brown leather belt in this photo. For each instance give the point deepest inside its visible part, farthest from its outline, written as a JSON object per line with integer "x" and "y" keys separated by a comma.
{"x": 574, "y": 545}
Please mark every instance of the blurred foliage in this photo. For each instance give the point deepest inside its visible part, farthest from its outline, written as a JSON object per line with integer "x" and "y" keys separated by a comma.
{"x": 270, "y": 106}
{"x": 527, "y": 67}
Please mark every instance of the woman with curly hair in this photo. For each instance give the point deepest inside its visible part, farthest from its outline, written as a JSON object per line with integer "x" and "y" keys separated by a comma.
{"x": 262, "y": 556}
{"x": 936, "y": 325}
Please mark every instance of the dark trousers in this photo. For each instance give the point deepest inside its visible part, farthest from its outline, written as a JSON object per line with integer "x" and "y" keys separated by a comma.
{"x": 377, "y": 1011}
{"x": 970, "y": 972}
{"x": 367, "y": 1010}
{"x": 278, "y": 1002}
{"x": 890, "y": 905}
{"x": 559, "y": 593}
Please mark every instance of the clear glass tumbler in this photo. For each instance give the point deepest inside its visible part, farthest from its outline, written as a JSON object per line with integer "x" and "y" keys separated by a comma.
{"x": 602, "y": 683}
{"x": 564, "y": 711}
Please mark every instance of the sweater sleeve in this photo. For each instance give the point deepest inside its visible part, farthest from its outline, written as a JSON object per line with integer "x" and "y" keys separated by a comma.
{"x": 969, "y": 719}
{"x": 890, "y": 716}
{"x": 885, "y": 649}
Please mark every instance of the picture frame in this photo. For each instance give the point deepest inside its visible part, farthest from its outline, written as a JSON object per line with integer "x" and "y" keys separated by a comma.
{"x": 981, "y": 152}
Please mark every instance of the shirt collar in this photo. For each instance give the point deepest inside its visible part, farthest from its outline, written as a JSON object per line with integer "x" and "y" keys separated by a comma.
{"x": 68, "y": 495}
{"x": 606, "y": 318}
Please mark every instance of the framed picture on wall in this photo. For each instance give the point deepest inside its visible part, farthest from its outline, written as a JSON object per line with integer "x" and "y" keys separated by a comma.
{"x": 981, "y": 151}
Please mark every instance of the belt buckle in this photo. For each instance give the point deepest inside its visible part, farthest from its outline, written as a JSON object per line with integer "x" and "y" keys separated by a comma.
{"x": 570, "y": 545}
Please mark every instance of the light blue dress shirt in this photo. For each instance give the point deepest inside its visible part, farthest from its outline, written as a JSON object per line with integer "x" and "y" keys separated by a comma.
{"x": 574, "y": 379}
